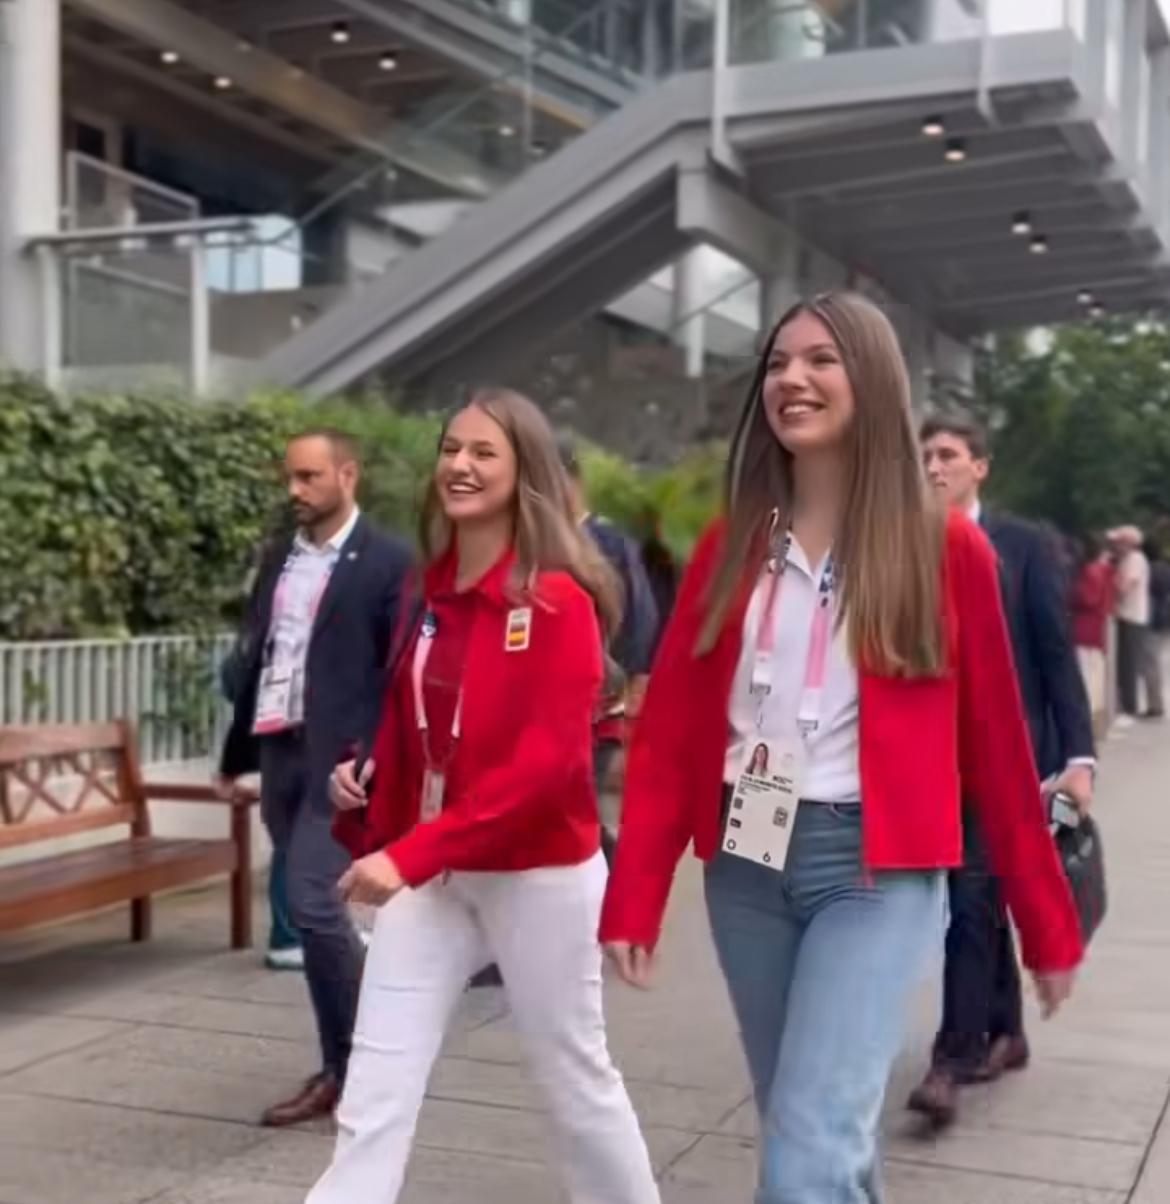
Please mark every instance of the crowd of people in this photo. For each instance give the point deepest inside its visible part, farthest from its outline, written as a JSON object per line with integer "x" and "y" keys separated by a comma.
{"x": 853, "y": 706}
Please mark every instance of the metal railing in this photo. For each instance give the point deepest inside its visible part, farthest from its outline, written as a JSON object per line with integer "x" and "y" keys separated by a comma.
{"x": 168, "y": 686}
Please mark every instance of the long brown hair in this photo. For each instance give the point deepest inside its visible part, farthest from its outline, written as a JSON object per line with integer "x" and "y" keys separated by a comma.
{"x": 887, "y": 554}
{"x": 546, "y": 533}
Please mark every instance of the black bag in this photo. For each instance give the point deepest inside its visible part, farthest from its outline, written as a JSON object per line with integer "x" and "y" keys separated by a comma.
{"x": 1083, "y": 859}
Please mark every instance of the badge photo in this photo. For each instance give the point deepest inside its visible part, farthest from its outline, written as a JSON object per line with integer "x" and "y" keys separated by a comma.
{"x": 519, "y": 629}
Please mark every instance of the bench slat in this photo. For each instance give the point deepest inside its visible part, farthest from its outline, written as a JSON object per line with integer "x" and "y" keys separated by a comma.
{"x": 32, "y": 831}
{"x": 60, "y": 739}
{"x": 72, "y": 883}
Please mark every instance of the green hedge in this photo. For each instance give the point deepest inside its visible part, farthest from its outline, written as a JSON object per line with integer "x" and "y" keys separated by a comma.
{"x": 134, "y": 515}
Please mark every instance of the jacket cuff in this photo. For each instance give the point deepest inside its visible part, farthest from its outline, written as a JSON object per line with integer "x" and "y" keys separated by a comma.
{"x": 416, "y": 857}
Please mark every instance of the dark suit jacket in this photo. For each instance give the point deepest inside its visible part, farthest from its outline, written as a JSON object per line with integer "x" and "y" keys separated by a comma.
{"x": 1036, "y": 602}
{"x": 355, "y": 624}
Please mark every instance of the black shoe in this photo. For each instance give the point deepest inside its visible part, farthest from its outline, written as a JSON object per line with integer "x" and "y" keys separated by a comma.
{"x": 489, "y": 977}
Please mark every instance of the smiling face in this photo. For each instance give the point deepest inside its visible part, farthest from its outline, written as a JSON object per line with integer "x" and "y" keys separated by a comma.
{"x": 476, "y": 474}
{"x": 807, "y": 395}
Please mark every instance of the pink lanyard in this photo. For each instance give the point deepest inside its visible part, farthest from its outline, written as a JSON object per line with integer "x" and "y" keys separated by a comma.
{"x": 808, "y": 713}
{"x": 278, "y": 597}
{"x": 422, "y": 653}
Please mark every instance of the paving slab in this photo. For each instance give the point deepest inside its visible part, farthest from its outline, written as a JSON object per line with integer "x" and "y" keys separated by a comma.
{"x": 135, "y": 1074}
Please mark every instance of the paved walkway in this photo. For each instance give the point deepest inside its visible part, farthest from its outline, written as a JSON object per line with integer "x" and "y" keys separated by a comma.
{"x": 135, "y": 1074}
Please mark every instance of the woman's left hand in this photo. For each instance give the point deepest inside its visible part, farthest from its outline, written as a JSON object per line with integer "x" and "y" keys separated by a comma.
{"x": 1053, "y": 990}
{"x": 373, "y": 880}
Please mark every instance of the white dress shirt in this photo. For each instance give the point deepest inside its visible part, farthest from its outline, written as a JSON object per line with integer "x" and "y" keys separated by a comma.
{"x": 298, "y": 595}
{"x": 833, "y": 774}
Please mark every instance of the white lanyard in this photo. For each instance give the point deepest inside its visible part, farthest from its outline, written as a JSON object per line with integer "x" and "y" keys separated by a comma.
{"x": 808, "y": 713}
{"x": 422, "y": 653}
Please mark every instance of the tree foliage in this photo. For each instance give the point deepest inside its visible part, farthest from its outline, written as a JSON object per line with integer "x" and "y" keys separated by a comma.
{"x": 1080, "y": 428}
{"x": 138, "y": 515}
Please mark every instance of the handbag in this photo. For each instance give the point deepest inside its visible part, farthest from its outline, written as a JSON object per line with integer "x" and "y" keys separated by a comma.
{"x": 1083, "y": 857}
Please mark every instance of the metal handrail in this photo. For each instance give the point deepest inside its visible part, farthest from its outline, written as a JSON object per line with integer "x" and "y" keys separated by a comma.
{"x": 115, "y": 234}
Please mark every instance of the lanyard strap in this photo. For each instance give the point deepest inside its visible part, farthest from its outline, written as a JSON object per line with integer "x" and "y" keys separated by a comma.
{"x": 422, "y": 653}
{"x": 280, "y": 594}
{"x": 808, "y": 712}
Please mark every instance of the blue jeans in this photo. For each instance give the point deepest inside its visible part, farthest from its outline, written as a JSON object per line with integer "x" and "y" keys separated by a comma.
{"x": 821, "y": 966}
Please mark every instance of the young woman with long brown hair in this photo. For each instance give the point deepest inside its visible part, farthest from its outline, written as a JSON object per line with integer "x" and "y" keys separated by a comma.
{"x": 474, "y": 822}
{"x": 835, "y": 616}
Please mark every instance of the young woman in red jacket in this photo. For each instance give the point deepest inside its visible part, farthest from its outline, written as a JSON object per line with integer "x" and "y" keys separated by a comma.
{"x": 836, "y": 618}
{"x": 474, "y": 824}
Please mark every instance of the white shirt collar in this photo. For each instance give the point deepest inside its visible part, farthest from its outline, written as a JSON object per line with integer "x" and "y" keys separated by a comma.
{"x": 335, "y": 542}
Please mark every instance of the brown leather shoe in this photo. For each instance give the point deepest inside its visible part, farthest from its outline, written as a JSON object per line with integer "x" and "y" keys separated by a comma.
{"x": 317, "y": 1098}
{"x": 1006, "y": 1054}
{"x": 936, "y": 1098}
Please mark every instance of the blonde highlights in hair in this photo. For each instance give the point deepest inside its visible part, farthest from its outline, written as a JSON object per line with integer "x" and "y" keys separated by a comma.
{"x": 546, "y": 535}
{"x": 888, "y": 550}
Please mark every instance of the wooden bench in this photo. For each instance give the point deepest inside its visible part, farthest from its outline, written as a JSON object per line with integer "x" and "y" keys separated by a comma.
{"x": 61, "y": 781}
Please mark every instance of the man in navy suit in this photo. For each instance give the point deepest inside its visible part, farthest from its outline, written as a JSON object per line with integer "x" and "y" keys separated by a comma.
{"x": 322, "y": 614}
{"x": 982, "y": 1030}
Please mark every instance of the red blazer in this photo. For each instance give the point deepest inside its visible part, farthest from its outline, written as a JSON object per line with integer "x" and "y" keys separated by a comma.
{"x": 1094, "y": 597}
{"x": 520, "y": 781}
{"x": 924, "y": 744}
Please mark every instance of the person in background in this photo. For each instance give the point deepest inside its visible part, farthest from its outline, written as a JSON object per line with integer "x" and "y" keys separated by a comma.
{"x": 662, "y": 573}
{"x": 284, "y": 950}
{"x": 324, "y": 605}
{"x": 474, "y": 822}
{"x": 1155, "y": 641}
{"x": 1093, "y": 599}
{"x": 982, "y": 1030}
{"x": 632, "y": 647}
{"x": 839, "y": 615}
{"x": 1133, "y": 616}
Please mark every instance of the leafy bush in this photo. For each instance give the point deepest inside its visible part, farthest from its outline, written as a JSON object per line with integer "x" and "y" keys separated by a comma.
{"x": 135, "y": 515}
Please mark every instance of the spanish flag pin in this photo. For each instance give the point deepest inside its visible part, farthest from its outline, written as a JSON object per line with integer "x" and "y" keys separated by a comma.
{"x": 519, "y": 629}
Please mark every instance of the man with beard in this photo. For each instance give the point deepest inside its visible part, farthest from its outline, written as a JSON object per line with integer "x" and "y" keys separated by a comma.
{"x": 323, "y": 611}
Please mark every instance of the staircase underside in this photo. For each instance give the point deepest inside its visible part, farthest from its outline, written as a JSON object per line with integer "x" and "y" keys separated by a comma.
{"x": 830, "y": 151}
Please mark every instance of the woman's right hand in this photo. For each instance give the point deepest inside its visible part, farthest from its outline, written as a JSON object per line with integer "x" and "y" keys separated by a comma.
{"x": 634, "y": 963}
{"x": 347, "y": 788}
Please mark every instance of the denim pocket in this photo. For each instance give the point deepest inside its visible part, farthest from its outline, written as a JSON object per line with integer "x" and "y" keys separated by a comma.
{"x": 846, "y": 813}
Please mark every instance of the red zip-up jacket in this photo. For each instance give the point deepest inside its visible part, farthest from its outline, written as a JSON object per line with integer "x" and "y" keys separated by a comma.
{"x": 519, "y": 780}
{"x": 924, "y": 744}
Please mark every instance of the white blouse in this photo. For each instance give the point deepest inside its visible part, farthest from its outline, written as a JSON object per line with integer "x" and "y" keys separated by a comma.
{"x": 833, "y": 774}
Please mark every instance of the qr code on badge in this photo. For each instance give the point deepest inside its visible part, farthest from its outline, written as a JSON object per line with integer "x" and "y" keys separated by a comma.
{"x": 780, "y": 817}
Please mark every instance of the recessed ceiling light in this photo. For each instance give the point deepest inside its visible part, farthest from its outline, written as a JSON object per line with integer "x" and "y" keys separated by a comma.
{"x": 222, "y": 82}
{"x": 339, "y": 33}
{"x": 388, "y": 62}
{"x": 507, "y": 131}
{"x": 1084, "y": 297}
{"x": 956, "y": 150}
{"x": 1022, "y": 223}
{"x": 1039, "y": 245}
{"x": 170, "y": 57}
{"x": 933, "y": 127}
{"x": 1096, "y": 310}
{"x": 538, "y": 148}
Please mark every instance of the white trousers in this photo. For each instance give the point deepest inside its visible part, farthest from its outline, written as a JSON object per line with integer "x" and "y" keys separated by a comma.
{"x": 540, "y": 926}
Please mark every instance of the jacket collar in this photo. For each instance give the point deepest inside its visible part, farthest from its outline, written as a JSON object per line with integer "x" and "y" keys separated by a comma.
{"x": 497, "y": 585}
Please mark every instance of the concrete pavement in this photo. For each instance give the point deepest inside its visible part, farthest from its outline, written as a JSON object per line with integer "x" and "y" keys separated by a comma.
{"x": 135, "y": 1074}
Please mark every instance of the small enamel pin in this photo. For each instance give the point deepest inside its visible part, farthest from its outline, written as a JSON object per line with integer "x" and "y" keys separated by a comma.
{"x": 519, "y": 629}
